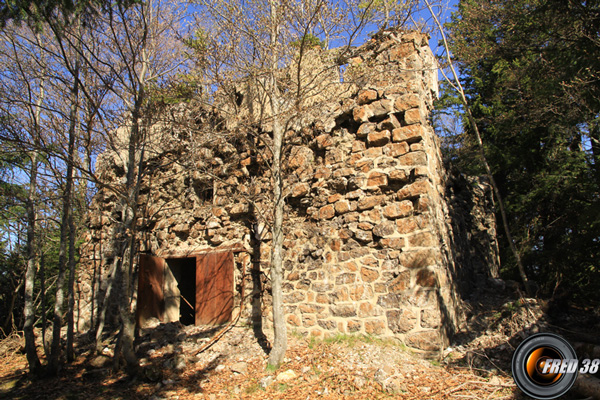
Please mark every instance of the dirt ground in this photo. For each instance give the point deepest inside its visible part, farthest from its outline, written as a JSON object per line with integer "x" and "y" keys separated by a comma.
{"x": 476, "y": 366}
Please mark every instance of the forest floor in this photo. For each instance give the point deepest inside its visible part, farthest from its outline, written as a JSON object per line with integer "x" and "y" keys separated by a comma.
{"x": 476, "y": 366}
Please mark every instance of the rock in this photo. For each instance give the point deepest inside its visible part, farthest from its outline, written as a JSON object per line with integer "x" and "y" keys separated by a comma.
{"x": 412, "y": 116}
{"x": 286, "y": 376}
{"x": 266, "y": 381}
{"x": 240, "y": 368}
{"x": 410, "y": 134}
{"x": 366, "y": 96}
{"x": 220, "y": 368}
{"x": 379, "y": 138}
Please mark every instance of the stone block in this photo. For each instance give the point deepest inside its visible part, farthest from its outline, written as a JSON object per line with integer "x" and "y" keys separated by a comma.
{"x": 376, "y": 327}
{"x": 323, "y": 141}
{"x": 386, "y": 228}
{"x": 294, "y": 297}
{"x": 309, "y": 321}
{"x": 300, "y": 156}
{"x": 390, "y": 123}
{"x": 362, "y": 113}
{"x": 400, "y": 283}
{"x": 327, "y": 324}
{"x": 410, "y": 224}
{"x": 327, "y": 212}
{"x": 422, "y": 239}
{"x": 366, "y": 309}
{"x": 298, "y": 190}
{"x": 379, "y": 138}
{"x": 393, "y": 243}
{"x": 321, "y": 287}
{"x": 294, "y": 320}
{"x": 424, "y": 340}
{"x": 368, "y": 274}
{"x": 369, "y": 202}
{"x": 365, "y": 129}
{"x": 422, "y": 298}
{"x": 417, "y": 147}
{"x": 414, "y": 189}
{"x": 354, "y": 326}
{"x": 365, "y": 165}
{"x": 417, "y": 258}
{"x": 430, "y": 318}
{"x": 340, "y": 295}
{"x": 334, "y": 156}
{"x": 398, "y": 210}
{"x": 365, "y": 226}
{"x": 426, "y": 278}
{"x": 334, "y": 197}
{"x": 413, "y": 158}
{"x": 322, "y": 298}
{"x": 406, "y": 102}
{"x": 361, "y": 292}
{"x": 350, "y": 266}
{"x": 376, "y": 179}
{"x": 373, "y": 152}
{"x": 382, "y": 107}
{"x": 363, "y": 236}
{"x": 401, "y": 321}
{"x": 358, "y": 146}
{"x": 343, "y": 310}
{"x": 401, "y": 51}
{"x": 399, "y": 175}
{"x": 344, "y": 206}
{"x": 322, "y": 173}
{"x": 371, "y": 216}
{"x": 396, "y": 149}
{"x": 412, "y": 116}
{"x": 366, "y": 96}
{"x": 345, "y": 278}
{"x": 410, "y": 134}
{"x": 390, "y": 300}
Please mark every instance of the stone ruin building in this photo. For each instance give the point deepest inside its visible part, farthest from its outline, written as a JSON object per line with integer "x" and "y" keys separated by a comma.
{"x": 380, "y": 238}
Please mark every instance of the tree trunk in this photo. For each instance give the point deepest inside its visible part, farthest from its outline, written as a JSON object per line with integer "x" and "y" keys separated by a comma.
{"x": 71, "y": 291}
{"x": 70, "y": 221}
{"x": 280, "y": 331}
{"x": 279, "y": 328}
{"x": 28, "y": 310}
{"x": 43, "y": 294}
{"x": 65, "y": 228}
{"x": 102, "y": 308}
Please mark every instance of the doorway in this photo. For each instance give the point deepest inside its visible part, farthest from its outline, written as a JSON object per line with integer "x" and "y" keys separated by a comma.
{"x": 182, "y": 304}
{"x": 193, "y": 290}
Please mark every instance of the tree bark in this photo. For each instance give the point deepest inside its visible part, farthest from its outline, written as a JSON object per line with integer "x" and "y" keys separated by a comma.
{"x": 66, "y": 221}
{"x": 28, "y": 310}
{"x": 279, "y": 327}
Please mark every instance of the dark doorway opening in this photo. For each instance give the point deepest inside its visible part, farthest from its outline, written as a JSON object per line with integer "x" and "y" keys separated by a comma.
{"x": 184, "y": 272}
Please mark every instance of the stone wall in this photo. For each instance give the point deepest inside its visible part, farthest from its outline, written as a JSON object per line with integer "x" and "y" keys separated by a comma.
{"x": 376, "y": 237}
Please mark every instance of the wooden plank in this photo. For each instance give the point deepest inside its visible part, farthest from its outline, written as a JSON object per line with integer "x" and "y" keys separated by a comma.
{"x": 150, "y": 299}
{"x": 214, "y": 288}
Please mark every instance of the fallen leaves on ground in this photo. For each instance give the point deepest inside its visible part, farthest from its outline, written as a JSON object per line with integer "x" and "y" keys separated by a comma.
{"x": 341, "y": 368}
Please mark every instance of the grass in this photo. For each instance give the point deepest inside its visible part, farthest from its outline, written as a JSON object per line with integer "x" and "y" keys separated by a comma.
{"x": 271, "y": 368}
{"x": 353, "y": 340}
{"x": 282, "y": 387}
{"x": 253, "y": 388}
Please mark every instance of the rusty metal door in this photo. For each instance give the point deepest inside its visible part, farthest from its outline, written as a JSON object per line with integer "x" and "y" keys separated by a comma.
{"x": 150, "y": 300}
{"x": 214, "y": 288}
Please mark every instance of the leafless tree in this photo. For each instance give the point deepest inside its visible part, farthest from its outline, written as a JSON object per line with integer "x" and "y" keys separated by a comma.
{"x": 269, "y": 48}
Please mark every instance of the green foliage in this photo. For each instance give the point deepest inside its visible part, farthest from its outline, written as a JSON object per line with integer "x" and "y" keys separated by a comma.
{"x": 309, "y": 41}
{"x": 531, "y": 74}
